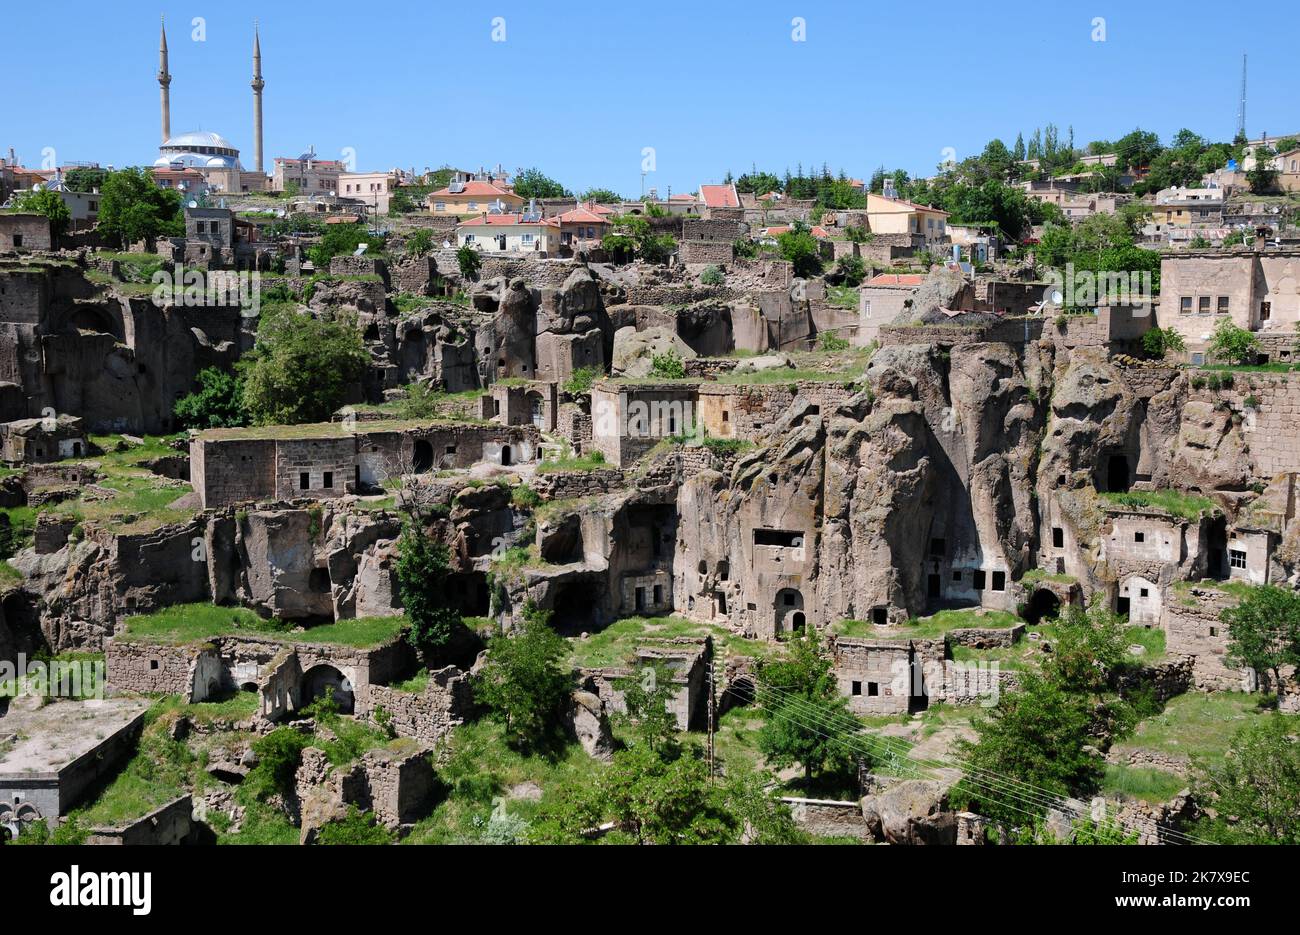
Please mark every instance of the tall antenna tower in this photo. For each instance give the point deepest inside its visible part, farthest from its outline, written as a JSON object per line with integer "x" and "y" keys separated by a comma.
{"x": 1241, "y": 108}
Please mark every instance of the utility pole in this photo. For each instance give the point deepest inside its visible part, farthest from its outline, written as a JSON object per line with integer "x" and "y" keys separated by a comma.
{"x": 713, "y": 708}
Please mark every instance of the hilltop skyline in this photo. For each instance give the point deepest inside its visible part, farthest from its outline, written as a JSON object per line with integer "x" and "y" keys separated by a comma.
{"x": 703, "y": 113}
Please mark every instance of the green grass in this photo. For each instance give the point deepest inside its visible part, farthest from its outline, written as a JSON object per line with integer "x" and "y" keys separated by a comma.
{"x": 415, "y": 684}
{"x": 479, "y": 768}
{"x": 1250, "y": 368}
{"x": 1152, "y": 639}
{"x": 842, "y": 296}
{"x": 594, "y": 461}
{"x": 141, "y": 500}
{"x": 1238, "y": 589}
{"x": 1195, "y": 724}
{"x": 197, "y": 623}
{"x": 932, "y": 627}
{"x": 1174, "y": 502}
{"x": 1039, "y": 575}
{"x": 617, "y": 643}
{"x": 1141, "y": 783}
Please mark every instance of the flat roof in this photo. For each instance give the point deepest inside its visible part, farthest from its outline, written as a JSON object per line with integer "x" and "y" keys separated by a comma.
{"x": 49, "y": 739}
{"x": 327, "y": 430}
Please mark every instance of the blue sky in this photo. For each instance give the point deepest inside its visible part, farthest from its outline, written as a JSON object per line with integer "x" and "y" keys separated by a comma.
{"x": 710, "y": 86}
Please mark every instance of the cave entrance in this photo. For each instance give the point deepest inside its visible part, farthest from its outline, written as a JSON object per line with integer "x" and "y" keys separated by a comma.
{"x": 321, "y": 680}
{"x": 574, "y": 609}
{"x": 505, "y": 455}
{"x": 1043, "y": 605}
{"x": 1118, "y": 478}
{"x": 422, "y": 458}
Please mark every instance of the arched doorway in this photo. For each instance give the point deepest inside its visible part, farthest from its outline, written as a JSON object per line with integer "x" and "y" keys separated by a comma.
{"x": 535, "y": 408}
{"x": 323, "y": 679}
{"x": 422, "y": 457}
{"x": 505, "y": 455}
{"x": 790, "y": 616}
{"x": 1043, "y": 605}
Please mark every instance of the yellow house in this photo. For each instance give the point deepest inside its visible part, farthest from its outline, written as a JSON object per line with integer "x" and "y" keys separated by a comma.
{"x": 465, "y": 199}
{"x": 895, "y": 216}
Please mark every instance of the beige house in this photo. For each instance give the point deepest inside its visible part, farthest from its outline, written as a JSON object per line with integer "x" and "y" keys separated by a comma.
{"x": 494, "y": 233}
{"x": 1256, "y": 290}
{"x": 895, "y": 216}
{"x": 309, "y": 175}
{"x": 473, "y": 197}
{"x": 373, "y": 189}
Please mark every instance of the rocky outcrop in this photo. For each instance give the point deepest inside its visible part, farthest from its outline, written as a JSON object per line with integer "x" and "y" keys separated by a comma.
{"x": 913, "y": 811}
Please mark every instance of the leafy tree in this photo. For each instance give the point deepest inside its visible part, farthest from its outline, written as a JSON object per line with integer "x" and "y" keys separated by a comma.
{"x": 601, "y": 196}
{"x": 1232, "y": 343}
{"x": 1262, "y": 176}
{"x": 1137, "y": 149}
{"x": 217, "y": 403}
{"x": 533, "y": 183}
{"x": 469, "y": 261}
{"x": 1255, "y": 791}
{"x": 523, "y": 683}
{"x": 851, "y": 270}
{"x": 1040, "y": 736}
{"x": 300, "y": 368}
{"x": 342, "y": 240}
{"x": 648, "y": 695}
{"x": 806, "y": 719}
{"x": 1159, "y": 342}
{"x": 47, "y": 203}
{"x": 1264, "y": 631}
{"x": 758, "y": 183}
{"x": 132, "y": 208}
{"x": 420, "y": 243}
{"x": 422, "y": 567}
{"x": 85, "y": 178}
{"x": 800, "y": 247}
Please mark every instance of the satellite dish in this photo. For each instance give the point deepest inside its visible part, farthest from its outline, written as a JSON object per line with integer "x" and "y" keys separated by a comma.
{"x": 37, "y": 186}
{"x": 192, "y": 204}
{"x": 1056, "y": 296}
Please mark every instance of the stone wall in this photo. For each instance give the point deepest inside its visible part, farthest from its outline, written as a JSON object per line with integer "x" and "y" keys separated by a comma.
{"x": 569, "y": 485}
{"x": 707, "y": 251}
{"x": 171, "y": 824}
{"x": 829, "y": 818}
{"x": 1193, "y": 628}
{"x": 428, "y": 715}
{"x": 1268, "y": 426}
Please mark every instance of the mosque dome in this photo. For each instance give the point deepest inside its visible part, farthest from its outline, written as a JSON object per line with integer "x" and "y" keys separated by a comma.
{"x": 198, "y": 149}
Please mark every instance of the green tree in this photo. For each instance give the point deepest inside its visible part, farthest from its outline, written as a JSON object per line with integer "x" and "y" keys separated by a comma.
{"x": 1255, "y": 790}
{"x": 422, "y": 570}
{"x": 851, "y": 270}
{"x": 1234, "y": 344}
{"x": 798, "y": 246}
{"x": 648, "y": 695}
{"x": 420, "y": 243}
{"x": 301, "y": 367}
{"x": 604, "y": 196}
{"x": 534, "y": 183}
{"x": 85, "y": 178}
{"x": 1262, "y": 176}
{"x": 1038, "y": 736}
{"x": 1158, "y": 342}
{"x": 524, "y": 684}
{"x": 132, "y": 208}
{"x": 1264, "y": 631}
{"x": 806, "y": 719}
{"x": 47, "y": 203}
{"x": 469, "y": 261}
{"x": 217, "y": 403}
{"x": 342, "y": 240}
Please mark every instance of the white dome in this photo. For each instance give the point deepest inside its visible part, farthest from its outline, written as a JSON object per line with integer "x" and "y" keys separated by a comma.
{"x": 198, "y": 138}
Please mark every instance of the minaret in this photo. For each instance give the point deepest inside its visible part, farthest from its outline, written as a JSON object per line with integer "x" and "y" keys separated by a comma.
{"x": 258, "y": 84}
{"x": 164, "y": 82}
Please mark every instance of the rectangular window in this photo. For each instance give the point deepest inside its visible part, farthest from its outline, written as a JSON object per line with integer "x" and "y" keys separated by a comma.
{"x": 659, "y": 594}
{"x": 198, "y": 227}
{"x": 856, "y": 689}
{"x": 1203, "y": 305}
{"x": 938, "y": 547}
{"x": 328, "y": 482}
{"x": 956, "y": 575}
{"x": 873, "y": 689}
{"x": 1185, "y": 305}
{"x": 1223, "y": 305}
{"x": 999, "y": 581}
{"x": 979, "y": 579}
{"x": 304, "y": 480}
{"x": 1236, "y": 558}
{"x": 1058, "y": 537}
{"x": 1265, "y": 310}
{"x": 778, "y": 537}
{"x": 18, "y": 240}
{"x": 1139, "y": 537}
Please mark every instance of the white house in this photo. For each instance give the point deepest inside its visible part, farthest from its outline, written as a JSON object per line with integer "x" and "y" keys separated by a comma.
{"x": 492, "y": 233}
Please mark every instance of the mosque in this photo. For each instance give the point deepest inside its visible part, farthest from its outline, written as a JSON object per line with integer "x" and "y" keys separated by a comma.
{"x": 210, "y": 154}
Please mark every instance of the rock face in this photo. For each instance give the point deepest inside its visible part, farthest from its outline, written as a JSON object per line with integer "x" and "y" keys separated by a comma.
{"x": 914, "y": 811}
{"x": 634, "y": 351}
{"x": 586, "y": 722}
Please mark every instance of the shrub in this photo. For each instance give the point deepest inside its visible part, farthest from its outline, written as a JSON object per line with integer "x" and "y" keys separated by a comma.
{"x": 668, "y": 366}
{"x": 469, "y": 261}
{"x": 712, "y": 276}
{"x": 830, "y": 341}
{"x": 581, "y": 380}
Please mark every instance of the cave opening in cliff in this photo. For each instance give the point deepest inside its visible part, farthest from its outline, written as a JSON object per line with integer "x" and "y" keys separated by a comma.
{"x": 573, "y": 611}
{"x": 1118, "y": 478}
{"x": 1043, "y": 605}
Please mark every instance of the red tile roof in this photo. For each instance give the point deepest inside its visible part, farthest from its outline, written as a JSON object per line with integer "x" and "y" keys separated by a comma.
{"x": 719, "y": 196}
{"x": 817, "y": 231}
{"x": 583, "y": 214}
{"x": 475, "y": 189}
{"x": 896, "y": 279}
{"x": 506, "y": 220}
